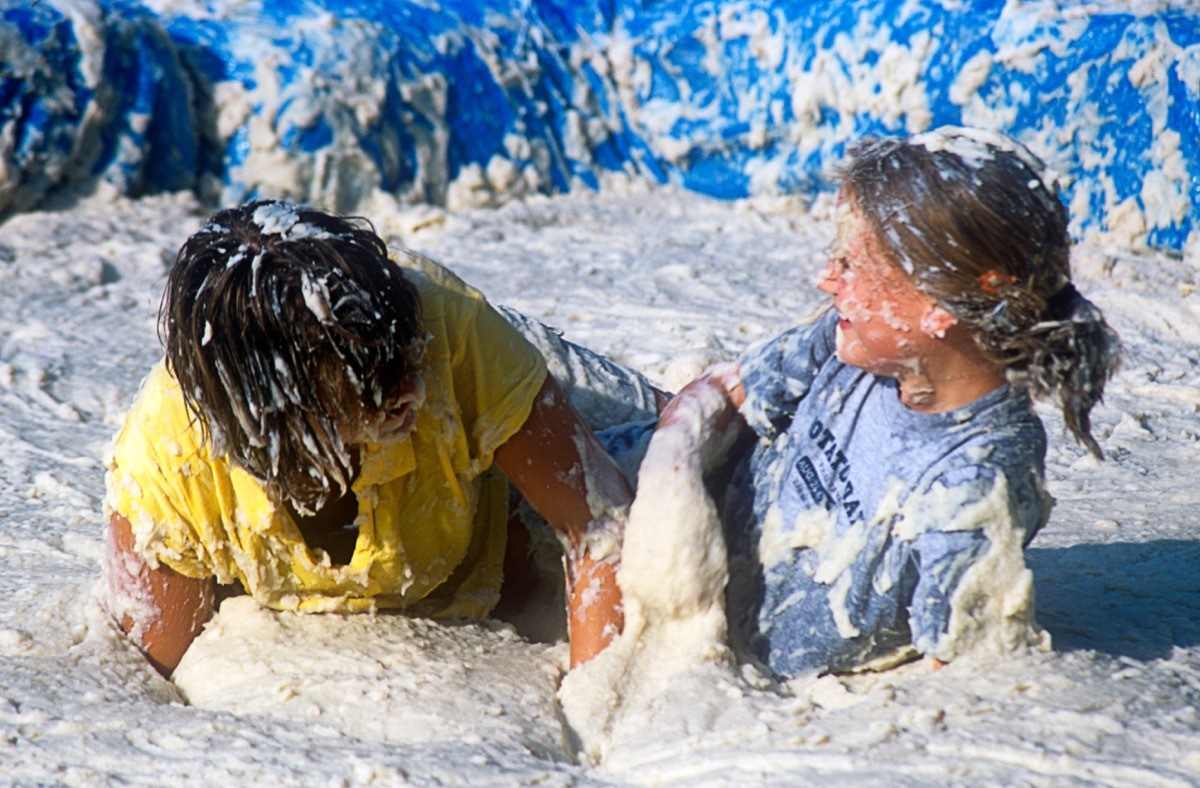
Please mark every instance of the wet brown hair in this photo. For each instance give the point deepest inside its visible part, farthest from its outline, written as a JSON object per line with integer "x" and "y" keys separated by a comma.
{"x": 974, "y": 218}
{"x": 283, "y": 324}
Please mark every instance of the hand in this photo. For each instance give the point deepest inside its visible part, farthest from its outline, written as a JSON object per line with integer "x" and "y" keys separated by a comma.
{"x": 721, "y": 377}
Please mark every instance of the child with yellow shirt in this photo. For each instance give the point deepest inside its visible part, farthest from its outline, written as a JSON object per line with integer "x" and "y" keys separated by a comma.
{"x": 334, "y": 429}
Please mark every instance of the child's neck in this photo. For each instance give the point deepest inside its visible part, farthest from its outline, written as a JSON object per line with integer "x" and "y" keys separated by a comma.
{"x": 955, "y": 375}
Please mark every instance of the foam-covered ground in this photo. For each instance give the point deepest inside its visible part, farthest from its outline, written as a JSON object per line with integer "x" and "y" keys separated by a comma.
{"x": 465, "y": 102}
{"x": 665, "y": 281}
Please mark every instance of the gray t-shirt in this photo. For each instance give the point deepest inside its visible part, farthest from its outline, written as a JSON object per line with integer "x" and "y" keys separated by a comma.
{"x": 852, "y": 545}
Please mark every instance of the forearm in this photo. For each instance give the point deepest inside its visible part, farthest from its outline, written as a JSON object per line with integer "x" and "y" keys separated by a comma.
{"x": 561, "y": 469}
{"x": 563, "y": 472}
{"x": 594, "y": 609}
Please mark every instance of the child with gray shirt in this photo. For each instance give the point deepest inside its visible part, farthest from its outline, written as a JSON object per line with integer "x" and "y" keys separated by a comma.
{"x": 897, "y": 467}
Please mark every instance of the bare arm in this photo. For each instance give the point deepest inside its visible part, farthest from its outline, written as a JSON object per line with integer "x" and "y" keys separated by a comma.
{"x": 561, "y": 469}
{"x": 162, "y": 610}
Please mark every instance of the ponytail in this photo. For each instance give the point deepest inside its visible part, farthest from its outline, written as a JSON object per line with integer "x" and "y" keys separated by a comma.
{"x": 1070, "y": 354}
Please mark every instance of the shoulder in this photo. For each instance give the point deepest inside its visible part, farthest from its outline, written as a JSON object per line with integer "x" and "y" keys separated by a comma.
{"x": 1006, "y": 430}
{"x": 1004, "y": 437}
{"x": 430, "y": 276}
{"x": 159, "y": 434}
{"x": 778, "y": 373}
{"x": 809, "y": 340}
{"x": 157, "y": 452}
{"x": 472, "y": 349}
{"x": 996, "y": 458}
{"x": 158, "y": 408}
{"x": 448, "y": 304}
{"x": 799, "y": 355}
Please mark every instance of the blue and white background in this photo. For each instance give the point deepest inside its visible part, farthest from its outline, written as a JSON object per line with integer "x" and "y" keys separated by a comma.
{"x": 468, "y": 102}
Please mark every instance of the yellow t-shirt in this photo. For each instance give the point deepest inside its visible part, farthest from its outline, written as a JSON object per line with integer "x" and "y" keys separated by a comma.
{"x": 432, "y": 511}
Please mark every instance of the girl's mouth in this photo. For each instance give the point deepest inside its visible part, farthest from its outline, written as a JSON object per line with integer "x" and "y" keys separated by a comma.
{"x": 398, "y": 421}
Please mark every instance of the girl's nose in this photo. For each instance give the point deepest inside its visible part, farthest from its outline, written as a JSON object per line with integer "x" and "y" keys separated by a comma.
{"x": 827, "y": 278}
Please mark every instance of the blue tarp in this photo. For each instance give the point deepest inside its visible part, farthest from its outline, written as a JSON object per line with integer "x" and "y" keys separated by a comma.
{"x": 328, "y": 100}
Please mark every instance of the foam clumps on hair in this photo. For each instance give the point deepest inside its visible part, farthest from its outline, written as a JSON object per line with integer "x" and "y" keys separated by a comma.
{"x": 283, "y": 219}
{"x": 316, "y": 297}
{"x": 978, "y": 146}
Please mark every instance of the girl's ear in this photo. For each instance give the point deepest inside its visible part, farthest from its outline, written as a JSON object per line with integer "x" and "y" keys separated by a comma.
{"x": 937, "y": 321}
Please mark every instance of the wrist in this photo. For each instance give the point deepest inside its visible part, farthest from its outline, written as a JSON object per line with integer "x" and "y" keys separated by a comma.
{"x": 603, "y": 537}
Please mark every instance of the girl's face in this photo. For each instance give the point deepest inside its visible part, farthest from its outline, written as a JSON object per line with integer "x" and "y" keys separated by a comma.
{"x": 884, "y": 324}
{"x": 391, "y": 423}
